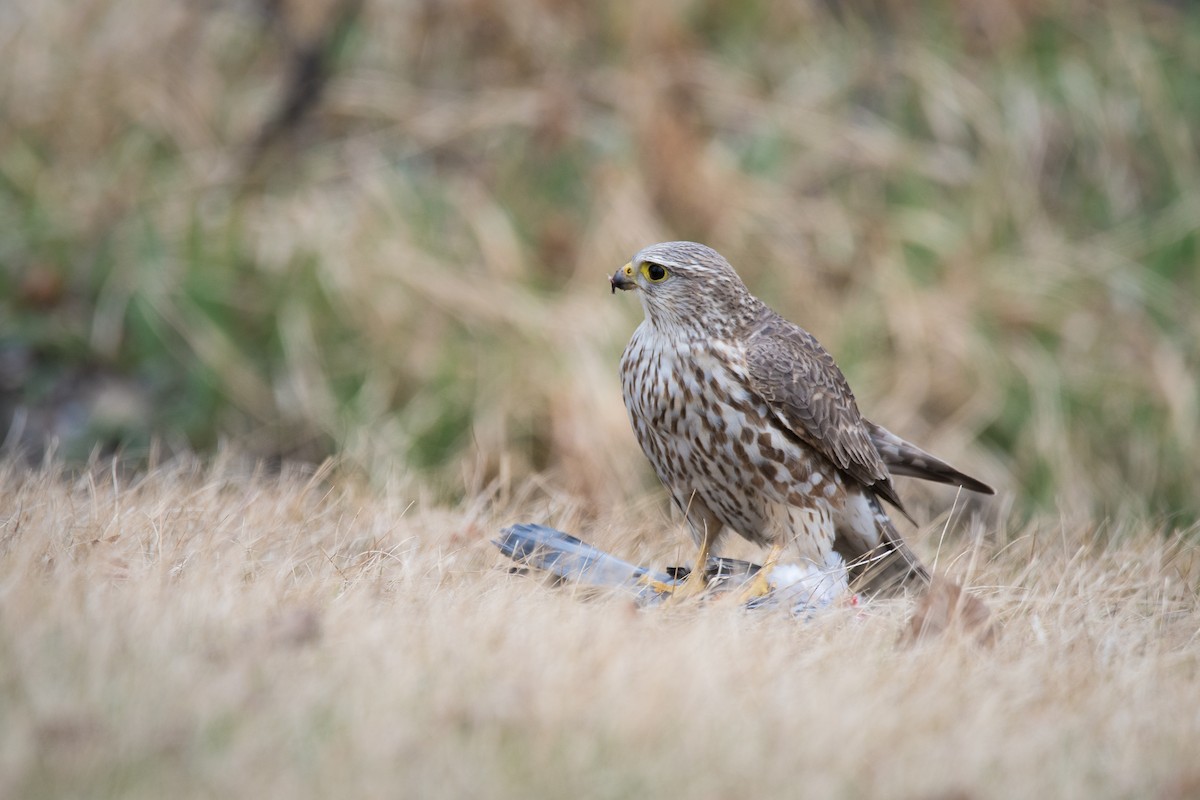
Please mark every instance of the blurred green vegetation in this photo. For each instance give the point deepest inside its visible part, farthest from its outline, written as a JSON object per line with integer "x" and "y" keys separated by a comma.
{"x": 379, "y": 229}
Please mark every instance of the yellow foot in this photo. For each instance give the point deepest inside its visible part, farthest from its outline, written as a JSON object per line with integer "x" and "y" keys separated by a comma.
{"x": 658, "y": 586}
{"x": 678, "y": 592}
{"x": 694, "y": 585}
{"x": 760, "y": 585}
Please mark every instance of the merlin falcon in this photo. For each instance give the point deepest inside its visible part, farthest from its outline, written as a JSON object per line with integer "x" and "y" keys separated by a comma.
{"x": 752, "y": 427}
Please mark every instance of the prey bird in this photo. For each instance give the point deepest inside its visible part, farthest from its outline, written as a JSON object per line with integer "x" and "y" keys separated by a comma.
{"x": 752, "y": 428}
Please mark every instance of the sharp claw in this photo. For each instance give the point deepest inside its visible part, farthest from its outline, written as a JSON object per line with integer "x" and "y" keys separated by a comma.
{"x": 756, "y": 590}
{"x": 659, "y": 586}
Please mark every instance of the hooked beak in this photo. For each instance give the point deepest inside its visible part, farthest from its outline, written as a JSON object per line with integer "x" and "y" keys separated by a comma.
{"x": 623, "y": 279}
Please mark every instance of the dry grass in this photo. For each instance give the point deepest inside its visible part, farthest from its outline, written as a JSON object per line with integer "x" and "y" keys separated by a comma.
{"x": 987, "y": 211}
{"x": 219, "y": 631}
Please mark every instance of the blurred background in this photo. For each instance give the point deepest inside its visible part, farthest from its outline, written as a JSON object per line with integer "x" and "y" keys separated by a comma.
{"x": 381, "y": 230}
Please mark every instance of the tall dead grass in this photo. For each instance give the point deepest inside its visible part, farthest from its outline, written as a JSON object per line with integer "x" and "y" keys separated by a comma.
{"x": 228, "y": 630}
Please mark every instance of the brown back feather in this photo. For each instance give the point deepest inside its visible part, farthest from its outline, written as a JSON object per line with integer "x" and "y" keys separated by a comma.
{"x": 809, "y": 394}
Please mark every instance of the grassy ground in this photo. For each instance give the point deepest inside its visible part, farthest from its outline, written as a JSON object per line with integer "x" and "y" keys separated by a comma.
{"x": 215, "y": 631}
{"x": 378, "y": 232}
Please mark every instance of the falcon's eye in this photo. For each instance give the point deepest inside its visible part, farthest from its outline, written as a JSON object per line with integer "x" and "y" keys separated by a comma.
{"x": 656, "y": 273}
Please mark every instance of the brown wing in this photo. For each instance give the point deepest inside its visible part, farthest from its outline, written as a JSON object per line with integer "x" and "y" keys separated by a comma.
{"x": 806, "y": 390}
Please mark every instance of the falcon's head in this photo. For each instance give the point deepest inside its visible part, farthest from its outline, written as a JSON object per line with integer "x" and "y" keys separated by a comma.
{"x": 688, "y": 288}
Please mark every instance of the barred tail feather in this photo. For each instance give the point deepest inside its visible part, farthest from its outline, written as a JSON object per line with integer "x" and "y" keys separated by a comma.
{"x": 880, "y": 563}
{"x": 905, "y": 458}
{"x": 879, "y": 560}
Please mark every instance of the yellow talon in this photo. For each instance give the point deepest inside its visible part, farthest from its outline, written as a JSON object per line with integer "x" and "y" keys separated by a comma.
{"x": 760, "y": 584}
{"x": 659, "y": 586}
{"x": 696, "y": 583}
